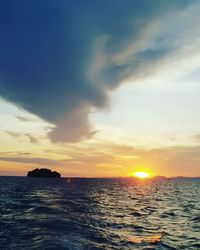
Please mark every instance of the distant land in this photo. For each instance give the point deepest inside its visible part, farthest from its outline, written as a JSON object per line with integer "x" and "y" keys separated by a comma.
{"x": 157, "y": 178}
{"x": 184, "y": 178}
{"x": 43, "y": 172}
{"x": 173, "y": 178}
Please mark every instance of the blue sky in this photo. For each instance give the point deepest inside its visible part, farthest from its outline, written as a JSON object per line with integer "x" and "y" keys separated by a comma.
{"x": 79, "y": 76}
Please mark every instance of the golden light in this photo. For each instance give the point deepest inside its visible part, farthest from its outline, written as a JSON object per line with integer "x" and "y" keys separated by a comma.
{"x": 141, "y": 175}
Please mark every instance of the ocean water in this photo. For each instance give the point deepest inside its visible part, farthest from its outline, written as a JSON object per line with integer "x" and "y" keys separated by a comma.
{"x": 76, "y": 214}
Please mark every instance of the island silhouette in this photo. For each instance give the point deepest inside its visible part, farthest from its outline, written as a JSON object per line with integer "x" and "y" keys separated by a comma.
{"x": 43, "y": 172}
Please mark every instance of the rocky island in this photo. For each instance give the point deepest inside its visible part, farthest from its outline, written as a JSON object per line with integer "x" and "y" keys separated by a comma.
{"x": 43, "y": 172}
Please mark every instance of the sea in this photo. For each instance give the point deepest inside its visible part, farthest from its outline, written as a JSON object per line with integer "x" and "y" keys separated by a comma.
{"x": 84, "y": 214}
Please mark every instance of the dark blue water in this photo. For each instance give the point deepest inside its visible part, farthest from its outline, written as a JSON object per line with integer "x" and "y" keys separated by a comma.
{"x": 76, "y": 214}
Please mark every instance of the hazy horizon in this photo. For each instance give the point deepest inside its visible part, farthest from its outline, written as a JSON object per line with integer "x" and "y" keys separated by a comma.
{"x": 111, "y": 177}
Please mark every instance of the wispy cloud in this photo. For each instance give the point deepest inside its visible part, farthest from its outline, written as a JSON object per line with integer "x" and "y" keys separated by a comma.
{"x": 31, "y": 138}
{"x": 37, "y": 161}
{"x": 24, "y": 119}
{"x": 13, "y": 134}
{"x": 14, "y": 153}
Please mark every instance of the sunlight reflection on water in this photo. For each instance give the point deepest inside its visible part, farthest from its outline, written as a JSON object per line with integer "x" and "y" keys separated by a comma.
{"x": 39, "y": 213}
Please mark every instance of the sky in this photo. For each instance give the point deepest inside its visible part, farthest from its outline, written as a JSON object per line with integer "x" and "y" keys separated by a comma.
{"x": 100, "y": 88}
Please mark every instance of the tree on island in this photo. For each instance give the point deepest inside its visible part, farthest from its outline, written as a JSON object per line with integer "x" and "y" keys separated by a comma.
{"x": 43, "y": 172}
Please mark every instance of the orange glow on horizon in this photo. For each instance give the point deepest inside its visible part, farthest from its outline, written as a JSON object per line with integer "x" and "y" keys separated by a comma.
{"x": 141, "y": 174}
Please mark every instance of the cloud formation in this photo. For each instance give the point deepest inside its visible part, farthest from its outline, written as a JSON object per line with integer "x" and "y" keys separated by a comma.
{"x": 60, "y": 59}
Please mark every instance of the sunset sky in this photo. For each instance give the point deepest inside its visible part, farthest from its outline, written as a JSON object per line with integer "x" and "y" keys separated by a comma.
{"x": 100, "y": 88}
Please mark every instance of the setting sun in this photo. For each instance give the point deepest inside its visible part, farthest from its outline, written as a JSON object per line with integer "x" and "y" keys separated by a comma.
{"x": 141, "y": 175}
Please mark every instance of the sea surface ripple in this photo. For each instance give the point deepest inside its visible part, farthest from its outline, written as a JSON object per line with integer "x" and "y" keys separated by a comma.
{"x": 84, "y": 214}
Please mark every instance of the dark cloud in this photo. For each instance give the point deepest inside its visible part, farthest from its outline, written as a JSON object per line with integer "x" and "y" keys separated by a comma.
{"x": 58, "y": 58}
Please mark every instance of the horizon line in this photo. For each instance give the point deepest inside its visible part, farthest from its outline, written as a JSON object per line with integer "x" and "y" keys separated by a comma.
{"x": 109, "y": 177}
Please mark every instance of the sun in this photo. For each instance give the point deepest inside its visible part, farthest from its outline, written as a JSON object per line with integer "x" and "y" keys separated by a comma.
{"x": 141, "y": 174}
